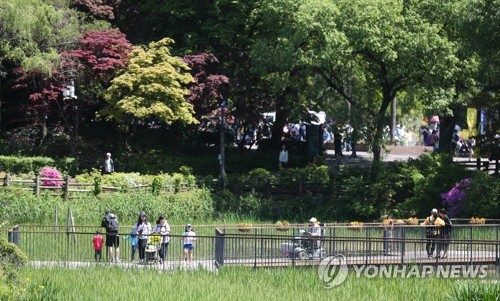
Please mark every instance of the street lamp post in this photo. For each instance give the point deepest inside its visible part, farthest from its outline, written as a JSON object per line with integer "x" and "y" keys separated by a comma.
{"x": 222, "y": 145}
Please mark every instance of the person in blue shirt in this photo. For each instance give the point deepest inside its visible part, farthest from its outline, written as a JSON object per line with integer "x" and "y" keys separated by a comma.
{"x": 134, "y": 242}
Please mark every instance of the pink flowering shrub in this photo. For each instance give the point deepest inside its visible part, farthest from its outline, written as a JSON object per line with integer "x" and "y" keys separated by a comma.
{"x": 51, "y": 173}
{"x": 453, "y": 198}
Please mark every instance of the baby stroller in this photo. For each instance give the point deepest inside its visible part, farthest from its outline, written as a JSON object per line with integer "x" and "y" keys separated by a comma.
{"x": 153, "y": 249}
{"x": 305, "y": 246}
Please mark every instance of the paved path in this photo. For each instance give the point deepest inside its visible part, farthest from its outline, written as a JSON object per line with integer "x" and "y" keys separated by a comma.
{"x": 410, "y": 257}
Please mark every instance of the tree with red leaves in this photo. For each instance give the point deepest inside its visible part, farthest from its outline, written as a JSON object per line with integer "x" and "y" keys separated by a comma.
{"x": 90, "y": 67}
{"x": 207, "y": 88}
{"x": 103, "y": 9}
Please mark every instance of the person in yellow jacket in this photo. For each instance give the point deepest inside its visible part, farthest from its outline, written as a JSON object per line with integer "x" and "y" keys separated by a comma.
{"x": 433, "y": 223}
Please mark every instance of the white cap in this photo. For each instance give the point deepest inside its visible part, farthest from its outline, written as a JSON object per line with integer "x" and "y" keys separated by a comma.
{"x": 108, "y": 154}
{"x": 313, "y": 220}
{"x": 434, "y": 211}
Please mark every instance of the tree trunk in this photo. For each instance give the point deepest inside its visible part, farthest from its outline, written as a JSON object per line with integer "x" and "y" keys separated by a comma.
{"x": 377, "y": 146}
{"x": 393, "y": 118}
{"x": 279, "y": 122}
{"x": 446, "y": 128}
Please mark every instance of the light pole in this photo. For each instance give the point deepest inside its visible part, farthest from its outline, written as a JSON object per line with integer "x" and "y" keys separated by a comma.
{"x": 222, "y": 145}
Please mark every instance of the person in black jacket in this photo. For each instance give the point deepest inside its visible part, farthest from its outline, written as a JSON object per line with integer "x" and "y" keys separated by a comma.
{"x": 445, "y": 234}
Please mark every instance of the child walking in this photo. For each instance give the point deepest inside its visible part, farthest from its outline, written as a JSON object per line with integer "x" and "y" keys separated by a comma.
{"x": 97, "y": 241}
{"x": 189, "y": 238}
{"x": 134, "y": 242}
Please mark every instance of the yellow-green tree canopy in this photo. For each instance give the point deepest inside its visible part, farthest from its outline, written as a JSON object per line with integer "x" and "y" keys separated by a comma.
{"x": 154, "y": 85}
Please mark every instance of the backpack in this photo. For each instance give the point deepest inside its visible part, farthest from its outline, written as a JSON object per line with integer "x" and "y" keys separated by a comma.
{"x": 432, "y": 231}
{"x": 112, "y": 222}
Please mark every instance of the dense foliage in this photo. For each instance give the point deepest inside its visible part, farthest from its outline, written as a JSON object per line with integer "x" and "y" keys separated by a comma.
{"x": 263, "y": 56}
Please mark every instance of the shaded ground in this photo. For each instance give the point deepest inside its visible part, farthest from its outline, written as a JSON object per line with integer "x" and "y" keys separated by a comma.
{"x": 364, "y": 158}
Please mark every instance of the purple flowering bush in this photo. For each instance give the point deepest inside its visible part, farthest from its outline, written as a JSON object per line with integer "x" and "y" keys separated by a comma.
{"x": 453, "y": 198}
{"x": 50, "y": 173}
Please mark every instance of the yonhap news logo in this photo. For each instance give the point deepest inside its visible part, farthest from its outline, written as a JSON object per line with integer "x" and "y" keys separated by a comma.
{"x": 332, "y": 271}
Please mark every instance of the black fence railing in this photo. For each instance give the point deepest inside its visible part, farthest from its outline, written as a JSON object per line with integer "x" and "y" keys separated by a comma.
{"x": 266, "y": 247}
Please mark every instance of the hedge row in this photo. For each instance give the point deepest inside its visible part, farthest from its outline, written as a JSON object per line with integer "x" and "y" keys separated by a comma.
{"x": 25, "y": 165}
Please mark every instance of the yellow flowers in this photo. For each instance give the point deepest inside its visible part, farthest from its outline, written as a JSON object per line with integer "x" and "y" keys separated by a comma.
{"x": 355, "y": 225}
{"x": 477, "y": 220}
{"x": 282, "y": 226}
{"x": 245, "y": 227}
{"x": 412, "y": 221}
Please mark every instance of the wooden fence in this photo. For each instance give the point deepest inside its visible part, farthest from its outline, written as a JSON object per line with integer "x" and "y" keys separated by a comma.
{"x": 65, "y": 187}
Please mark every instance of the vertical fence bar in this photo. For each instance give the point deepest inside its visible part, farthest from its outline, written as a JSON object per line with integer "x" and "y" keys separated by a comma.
{"x": 66, "y": 188}
{"x": 7, "y": 180}
{"x": 219, "y": 248}
{"x": 470, "y": 244}
{"x": 13, "y": 235}
{"x": 37, "y": 185}
{"x": 497, "y": 261}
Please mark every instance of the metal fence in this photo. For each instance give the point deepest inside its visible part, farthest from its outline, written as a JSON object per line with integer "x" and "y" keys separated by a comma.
{"x": 267, "y": 247}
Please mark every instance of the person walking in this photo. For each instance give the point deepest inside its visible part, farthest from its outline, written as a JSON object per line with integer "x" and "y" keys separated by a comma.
{"x": 143, "y": 229}
{"x": 163, "y": 229}
{"x": 110, "y": 223}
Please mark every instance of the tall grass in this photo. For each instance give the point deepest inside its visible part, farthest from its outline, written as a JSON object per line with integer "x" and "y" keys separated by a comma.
{"x": 110, "y": 283}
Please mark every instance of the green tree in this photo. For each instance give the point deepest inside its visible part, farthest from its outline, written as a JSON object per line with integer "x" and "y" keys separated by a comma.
{"x": 153, "y": 86}
{"x": 390, "y": 48}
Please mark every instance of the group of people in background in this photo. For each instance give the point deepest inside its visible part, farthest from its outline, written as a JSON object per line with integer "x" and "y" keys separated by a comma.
{"x": 139, "y": 238}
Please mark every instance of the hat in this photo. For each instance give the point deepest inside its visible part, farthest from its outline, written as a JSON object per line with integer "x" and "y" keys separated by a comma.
{"x": 108, "y": 154}
{"x": 188, "y": 225}
{"x": 313, "y": 220}
{"x": 143, "y": 214}
{"x": 434, "y": 211}
{"x": 161, "y": 217}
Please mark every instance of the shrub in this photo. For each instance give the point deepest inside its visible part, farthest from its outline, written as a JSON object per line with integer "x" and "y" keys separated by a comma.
{"x": 12, "y": 259}
{"x": 224, "y": 202}
{"x": 466, "y": 291}
{"x": 51, "y": 173}
{"x": 453, "y": 198}
{"x": 156, "y": 185}
{"x": 309, "y": 174}
{"x": 259, "y": 177}
{"x": 482, "y": 197}
{"x": 20, "y": 165}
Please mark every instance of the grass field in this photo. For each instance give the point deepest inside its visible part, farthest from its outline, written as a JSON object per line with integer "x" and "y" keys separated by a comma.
{"x": 108, "y": 283}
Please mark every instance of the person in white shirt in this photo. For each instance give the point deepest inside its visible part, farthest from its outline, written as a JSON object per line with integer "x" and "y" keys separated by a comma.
{"x": 143, "y": 228}
{"x": 163, "y": 228}
{"x": 313, "y": 231}
{"x": 108, "y": 167}
{"x": 189, "y": 239}
{"x": 283, "y": 158}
